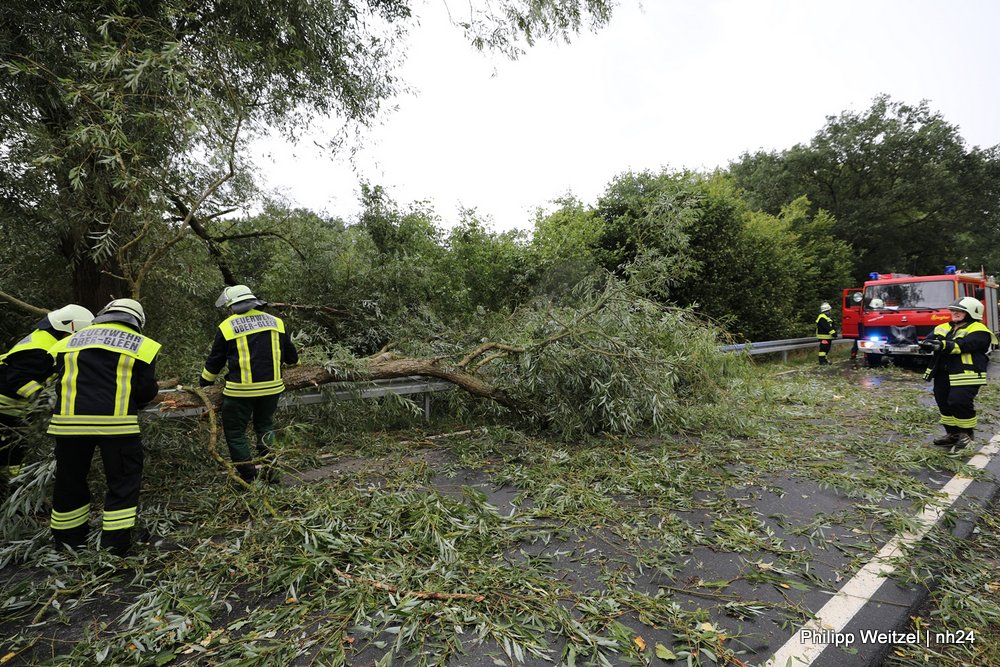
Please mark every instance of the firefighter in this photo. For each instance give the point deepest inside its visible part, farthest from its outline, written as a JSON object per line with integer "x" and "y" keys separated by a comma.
{"x": 106, "y": 374}
{"x": 961, "y": 354}
{"x": 825, "y": 332}
{"x": 253, "y": 345}
{"x": 23, "y": 370}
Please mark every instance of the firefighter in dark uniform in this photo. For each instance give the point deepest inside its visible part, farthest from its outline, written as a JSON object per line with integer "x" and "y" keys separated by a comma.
{"x": 254, "y": 345}
{"x": 825, "y": 332}
{"x": 24, "y": 368}
{"x": 961, "y": 355}
{"x": 106, "y": 374}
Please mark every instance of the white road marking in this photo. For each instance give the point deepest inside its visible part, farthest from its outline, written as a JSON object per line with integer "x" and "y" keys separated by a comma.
{"x": 801, "y": 650}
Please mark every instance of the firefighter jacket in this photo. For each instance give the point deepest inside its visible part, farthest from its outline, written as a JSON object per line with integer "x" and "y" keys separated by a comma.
{"x": 965, "y": 354}
{"x": 824, "y": 327}
{"x": 106, "y": 374}
{"x": 24, "y": 369}
{"x": 253, "y": 345}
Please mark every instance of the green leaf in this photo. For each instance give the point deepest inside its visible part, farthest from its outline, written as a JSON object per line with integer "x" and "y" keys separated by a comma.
{"x": 663, "y": 653}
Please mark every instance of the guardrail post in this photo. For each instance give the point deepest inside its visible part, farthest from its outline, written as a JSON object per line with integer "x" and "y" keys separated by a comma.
{"x": 427, "y": 407}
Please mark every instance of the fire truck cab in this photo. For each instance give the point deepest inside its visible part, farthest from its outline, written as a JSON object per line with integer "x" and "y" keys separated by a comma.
{"x": 894, "y": 310}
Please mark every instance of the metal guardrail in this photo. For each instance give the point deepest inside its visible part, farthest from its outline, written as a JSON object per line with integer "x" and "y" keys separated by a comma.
{"x": 782, "y": 346}
{"x": 341, "y": 391}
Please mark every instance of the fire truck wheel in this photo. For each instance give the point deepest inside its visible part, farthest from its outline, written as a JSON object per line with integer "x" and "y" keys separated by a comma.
{"x": 873, "y": 360}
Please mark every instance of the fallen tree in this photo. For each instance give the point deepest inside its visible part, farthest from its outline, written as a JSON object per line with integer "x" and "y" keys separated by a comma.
{"x": 612, "y": 362}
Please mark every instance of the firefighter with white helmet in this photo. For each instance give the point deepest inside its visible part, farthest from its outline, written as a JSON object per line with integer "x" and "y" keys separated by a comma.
{"x": 106, "y": 374}
{"x": 961, "y": 355}
{"x": 24, "y": 368}
{"x": 825, "y": 332}
{"x": 253, "y": 345}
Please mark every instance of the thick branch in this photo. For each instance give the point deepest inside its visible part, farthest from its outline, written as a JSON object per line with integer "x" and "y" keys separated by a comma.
{"x": 381, "y": 367}
{"x": 464, "y": 363}
{"x": 199, "y": 229}
{"x": 22, "y": 304}
{"x": 155, "y": 256}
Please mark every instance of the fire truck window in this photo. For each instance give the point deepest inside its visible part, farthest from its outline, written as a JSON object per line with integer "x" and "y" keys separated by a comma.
{"x": 923, "y": 294}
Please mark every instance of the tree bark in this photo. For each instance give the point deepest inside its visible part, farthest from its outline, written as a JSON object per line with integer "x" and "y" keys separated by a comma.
{"x": 380, "y": 367}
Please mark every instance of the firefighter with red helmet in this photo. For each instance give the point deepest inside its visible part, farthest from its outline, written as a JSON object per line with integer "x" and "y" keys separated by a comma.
{"x": 825, "y": 332}
{"x": 961, "y": 355}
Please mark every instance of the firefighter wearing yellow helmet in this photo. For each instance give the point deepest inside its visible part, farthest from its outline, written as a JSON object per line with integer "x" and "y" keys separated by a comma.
{"x": 961, "y": 350}
{"x": 24, "y": 368}
{"x": 105, "y": 373}
{"x": 253, "y": 345}
{"x": 825, "y": 332}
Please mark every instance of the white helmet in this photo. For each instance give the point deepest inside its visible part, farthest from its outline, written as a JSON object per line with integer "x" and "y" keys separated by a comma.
{"x": 876, "y": 303}
{"x": 70, "y": 318}
{"x": 238, "y": 294}
{"x": 824, "y": 307}
{"x": 128, "y": 311}
{"x": 974, "y": 307}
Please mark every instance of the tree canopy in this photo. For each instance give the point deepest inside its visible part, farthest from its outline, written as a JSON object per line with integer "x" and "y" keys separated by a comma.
{"x": 897, "y": 178}
{"x": 124, "y": 123}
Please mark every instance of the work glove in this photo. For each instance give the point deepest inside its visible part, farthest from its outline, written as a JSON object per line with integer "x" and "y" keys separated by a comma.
{"x": 931, "y": 344}
{"x": 202, "y": 382}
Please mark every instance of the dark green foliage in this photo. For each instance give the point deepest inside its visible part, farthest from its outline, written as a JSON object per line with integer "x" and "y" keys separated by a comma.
{"x": 615, "y": 362}
{"x": 690, "y": 239}
{"x": 898, "y": 180}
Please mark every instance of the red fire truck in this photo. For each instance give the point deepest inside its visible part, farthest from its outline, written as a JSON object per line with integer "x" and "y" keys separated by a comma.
{"x": 895, "y": 310}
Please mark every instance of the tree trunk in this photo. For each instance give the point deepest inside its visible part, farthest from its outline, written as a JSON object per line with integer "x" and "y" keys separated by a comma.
{"x": 381, "y": 367}
{"x": 94, "y": 286}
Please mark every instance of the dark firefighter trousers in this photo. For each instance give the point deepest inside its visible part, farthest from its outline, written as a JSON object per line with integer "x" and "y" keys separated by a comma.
{"x": 824, "y": 349}
{"x": 11, "y": 446}
{"x": 956, "y": 404}
{"x": 122, "y": 457}
{"x": 237, "y": 413}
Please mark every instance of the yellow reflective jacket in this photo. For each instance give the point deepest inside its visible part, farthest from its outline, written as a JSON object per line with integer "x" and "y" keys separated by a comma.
{"x": 253, "y": 345}
{"x": 824, "y": 327}
{"x": 24, "y": 369}
{"x": 106, "y": 374}
{"x": 965, "y": 355}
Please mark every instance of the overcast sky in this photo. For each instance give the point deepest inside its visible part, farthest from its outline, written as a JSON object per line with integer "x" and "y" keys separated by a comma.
{"x": 669, "y": 83}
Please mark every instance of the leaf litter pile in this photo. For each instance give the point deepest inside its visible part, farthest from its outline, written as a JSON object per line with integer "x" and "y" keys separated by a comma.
{"x": 458, "y": 543}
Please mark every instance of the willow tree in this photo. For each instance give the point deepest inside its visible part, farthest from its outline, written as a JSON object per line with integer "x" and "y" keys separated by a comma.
{"x": 124, "y": 123}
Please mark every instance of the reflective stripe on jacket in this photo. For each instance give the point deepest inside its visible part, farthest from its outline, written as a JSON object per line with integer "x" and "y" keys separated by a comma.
{"x": 23, "y": 370}
{"x": 824, "y": 327}
{"x": 965, "y": 355}
{"x": 106, "y": 374}
{"x": 253, "y": 345}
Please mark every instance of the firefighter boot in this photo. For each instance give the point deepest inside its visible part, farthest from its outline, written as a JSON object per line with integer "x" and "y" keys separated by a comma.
{"x": 118, "y": 542}
{"x": 964, "y": 439}
{"x": 948, "y": 439}
{"x": 247, "y": 472}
